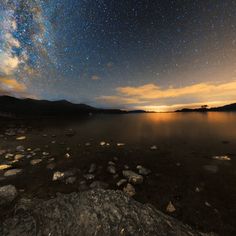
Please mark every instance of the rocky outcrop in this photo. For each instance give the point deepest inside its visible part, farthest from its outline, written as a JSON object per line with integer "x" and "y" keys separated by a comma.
{"x": 96, "y": 212}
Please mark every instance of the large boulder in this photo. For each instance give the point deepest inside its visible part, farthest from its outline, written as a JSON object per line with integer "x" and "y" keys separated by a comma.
{"x": 96, "y": 212}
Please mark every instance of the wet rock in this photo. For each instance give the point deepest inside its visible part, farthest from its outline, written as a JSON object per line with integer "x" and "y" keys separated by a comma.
{"x": 12, "y": 172}
{"x": 102, "y": 143}
{"x": 89, "y": 176}
{"x": 92, "y": 168}
{"x": 58, "y": 176}
{"x": 133, "y": 177}
{"x": 9, "y": 155}
{"x": 143, "y": 171}
{"x": 95, "y": 212}
{"x": 170, "y": 208}
{"x": 67, "y": 155}
{"x": 129, "y": 190}
{"x": 19, "y": 156}
{"x": 46, "y": 153}
{"x": 221, "y": 158}
{"x": 70, "y": 180}
{"x": 154, "y": 147}
{"x": 111, "y": 169}
{"x": 20, "y": 148}
{"x": 120, "y": 144}
{"x": 35, "y": 161}
{"x": 21, "y": 138}
{"x": 98, "y": 185}
{"x": 4, "y": 167}
{"x": 51, "y": 166}
{"x": 8, "y": 194}
{"x": 121, "y": 182}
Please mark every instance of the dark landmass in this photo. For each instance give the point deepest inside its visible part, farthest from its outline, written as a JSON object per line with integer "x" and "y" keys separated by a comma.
{"x": 230, "y": 107}
{"x": 13, "y": 107}
{"x": 96, "y": 212}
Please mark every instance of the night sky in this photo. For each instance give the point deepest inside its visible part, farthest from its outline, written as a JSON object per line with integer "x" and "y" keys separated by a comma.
{"x": 131, "y": 54}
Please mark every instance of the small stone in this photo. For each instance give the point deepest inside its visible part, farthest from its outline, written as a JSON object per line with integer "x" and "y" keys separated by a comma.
{"x": 67, "y": 155}
{"x": 111, "y": 163}
{"x": 102, "y": 143}
{"x": 121, "y": 182}
{"x": 21, "y": 138}
{"x": 19, "y": 156}
{"x": 129, "y": 190}
{"x": 9, "y": 155}
{"x": 53, "y": 141}
{"x": 70, "y": 180}
{"x": 8, "y": 194}
{"x": 221, "y": 158}
{"x": 154, "y": 147}
{"x": 4, "y": 167}
{"x": 92, "y": 168}
{"x": 133, "y": 177}
{"x": 120, "y": 144}
{"x": 126, "y": 167}
{"x": 89, "y": 176}
{"x": 20, "y": 148}
{"x": 58, "y": 176}
{"x": 143, "y": 171}
{"x": 35, "y": 161}
{"x": 111, "y": 169}
{"x": 45, "y": 153}
{"x": 51, "y": 166}
{"x": 197, "y": 190}
{"x": 87, "y": 144}
{"x": 98, "y": 185}
{"x": 12, "y": 172}
{"x": 170, "y": 208}
{"x": 2, "y": 152}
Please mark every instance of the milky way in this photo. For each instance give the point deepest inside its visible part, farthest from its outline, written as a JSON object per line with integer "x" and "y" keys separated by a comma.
{"x": 127, "y": 53}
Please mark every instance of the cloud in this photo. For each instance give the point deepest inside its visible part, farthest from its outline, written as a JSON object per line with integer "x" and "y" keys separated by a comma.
{"x": 153, "y": 97}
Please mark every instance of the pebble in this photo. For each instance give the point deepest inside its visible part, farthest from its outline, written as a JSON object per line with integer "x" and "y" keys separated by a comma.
{"x": 51, "y": 166}
{"x": 111, "y": 169}
{"x": 121, "y": 182}
{"x": 9, "y": 155}
{"x": 111, "y": 163}
{"x": 133, "y": 177}
{"x": 129, "y": 190}
{"x": 58, "y": 176}
{"x": 221, "y": 158}
{"x": 120, "y": 144}
{"x": 12, "y": 172}
{"x": 8, "y": 194}
{"x": 21, "y": 138}
{"x": 89, "y": 176}
{"x": 19, "y": 156}
{"x": 20, "y": 148}
{"x": 154, "y": 147}
{"x": 67, "y": 155}
{"x": 35, "y": 161}
{"x": 70, "y": 180}
{"x": 45, "y": 153}
{"x": 170, "y": 208}
{"x": 92, "y": 168}
{"x": 102, "y": 143}
{"x": 142, "y": 170}
{"x": 4, "y": 167}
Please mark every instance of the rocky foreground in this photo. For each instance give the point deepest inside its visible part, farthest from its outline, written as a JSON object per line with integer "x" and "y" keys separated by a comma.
{"x": 95, "y": 212}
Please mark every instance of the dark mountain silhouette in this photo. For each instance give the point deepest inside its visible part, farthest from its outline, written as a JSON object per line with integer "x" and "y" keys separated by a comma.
{"x": 14, "y": 107}
{"x": 230, "y": 107}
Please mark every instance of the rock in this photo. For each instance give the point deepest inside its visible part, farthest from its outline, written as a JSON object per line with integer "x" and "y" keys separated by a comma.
{"x": 115, "y": 158}
{"x": 12, "y": 172}
{"x": 89, "y": 176}
{"x": 92, "y": 168}
{"x": 20, "y": 148}
{"x": 120, "y": 144}
{"x": 2, "y": 151}
{"x": 51, "y": 166}
{"x": 143, "y": 171}
{"x": 221, "y": 158}
{"x": 129, "y": 190}
{"x": 133, "y": 177}
{"x": 70, "y": 180}
{"x": 94, "y": 212}
{"x": 9, "y": 155}
{"x": 19, "y": 156}
{"x": 67, "y": 155}
{"x": 45, "y": 153}
{"x": 170, "y": 208}
{"x": 8, "y": 193}
{"x": 111, "y": 163}
{"x": 102, "y": 143}
{"x": 98, "y": 185}
{"x": 35, "y": 161}
{"x": 111, "y": 169}
{"x": 58, "y": 176}
{"x": 154, "y": 147}
{"x": 21, "y": 138}
{"x": 87, "y": 144}
{"x": 121, "y": 182}
{"x": 4, "y": 167}
{"x": 126, "y": 167}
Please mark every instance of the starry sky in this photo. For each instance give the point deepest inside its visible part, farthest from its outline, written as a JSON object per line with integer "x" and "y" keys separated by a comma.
{"x": 130, "y": 54}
